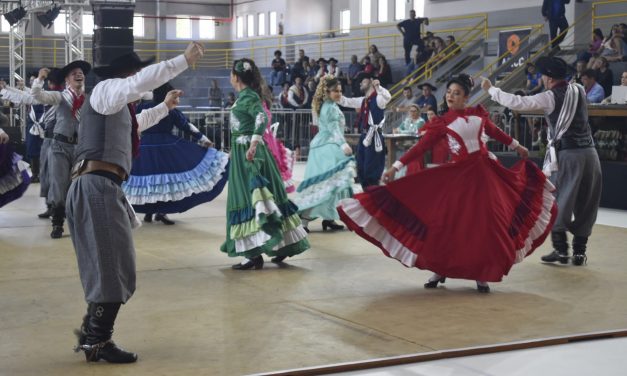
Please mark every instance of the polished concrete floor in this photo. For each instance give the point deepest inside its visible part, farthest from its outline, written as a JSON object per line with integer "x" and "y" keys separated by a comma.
{"x": 340, "y": 301}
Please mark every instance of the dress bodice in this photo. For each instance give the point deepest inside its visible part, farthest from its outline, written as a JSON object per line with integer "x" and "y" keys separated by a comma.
{"x": 466, "y": 135}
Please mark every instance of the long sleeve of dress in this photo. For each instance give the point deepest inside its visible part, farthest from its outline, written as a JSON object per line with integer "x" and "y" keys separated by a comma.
{"x": 43, "y": 96}
{"x": 182, "y": 123}
{"x": 496, "y": 133}
{"x": 428, "y": 140}
{"x": 255, "y": 110}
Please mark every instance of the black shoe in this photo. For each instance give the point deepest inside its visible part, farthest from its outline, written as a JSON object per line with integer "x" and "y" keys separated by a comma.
{"x": 148, "y": 218}
{"x": 256, "y": 262}
{"x": 331, "y": 225}
{"x": 306, "y": 229}
{"x": 57, "y": 232}
{"x": 484, "y": 289}
{"x": 164, "y": 219}
{"x": 580, "y": 259}
{"x": 434, "y": 284}
{"x": 46, "y": 214}
{"x": 109, "y": 352}
{"x": 278, "y": 259}
{"x": 555, "y": 256}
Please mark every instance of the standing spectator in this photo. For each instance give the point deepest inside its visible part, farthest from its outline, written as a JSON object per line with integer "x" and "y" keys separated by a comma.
{"x": 408, "y": 100}
{"x": 297, "y": 95}
{"x": 579, "y": 68}
{"x": 427, "y": 100}
{"x": 279, "y": 66}
{"x": 411, "y": 33}
{"x": 283, "y": 97}
{"x": 605, "y": 76}
{"x": 353, "y": 70}
{"x": 322, "y": 69}
{"x": 215, "y": 94}
{"x": 374, "y": 56}
{"x": 554, "y": 12}
{"x": 534, "y": 80}
{"x": 230, "y": 101}
{"x": 384, "y": 73}
{"x": 594, "y": 91}
{"x": 334, "y": 69}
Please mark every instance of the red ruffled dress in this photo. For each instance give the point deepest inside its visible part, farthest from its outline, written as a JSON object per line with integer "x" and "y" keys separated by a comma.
{"x": 470, "y": 219}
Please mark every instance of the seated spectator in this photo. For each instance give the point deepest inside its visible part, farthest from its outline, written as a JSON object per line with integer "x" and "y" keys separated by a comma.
{"x": 605, "y": 76}
{"x": 311, "y": 89}
{"x": 283, "y": 98}
{"x": 277, "y": 77}
{"x": 333, "y": 68}
{"x": 297, "y": 95}
{"x": 313, "y": 68}
{"x": 368, "y": 66}
{"x": 620, "y": 41}
{"x": 579, "y": 68}
{"x": 594, "y": 48}
{"x": 408, "y": 100}
{"x": 594, "y": 91}
{"x": 215, "y": 94}
{"x": 431, "y": 115}
{"x": 384, "y": 73}
{"x": 612, "y": 47}
{"x": 322, "y": 69}
{"x": 623, "y": 82}
{"x": 374, "y": 56}
{"x": 230, "y": 101}
{"x": 534, "y": 80}
{"x": 412, "y": 122}
{"x": 452, "y": 46}
{"x": 437, "y": 54}
{"x": 427, "y": 100}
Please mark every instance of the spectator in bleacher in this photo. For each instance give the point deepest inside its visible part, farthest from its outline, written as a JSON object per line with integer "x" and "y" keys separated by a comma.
{"x": 277, "y": 77}
{"x": 311, "y": 89}
{"x": 605, "y": 76}
{"x": 579, "y": 68}
{"x": 437, "y": 54}
{"x": 620, "y": 41}
{"x": 412, "y": 122}
{"x": 374, "y": 56}
{"x": 623, "y": 82}
{"x": 410, "y": 29}
{"x": 452, "y": 45}
{"x": 427, "y": 100}
{"x": 333, "y": 68}
{"x": 353, "y": 70}
{"x": 594, "y": 48}
{"x": 298, "y": 70}
{"x": 534, "y": 80}
{"x": 230, "y": 100}
{"x": 384, "y": 73}
{"x": 594, "y": 91}
{"x": 369, "y": 67}
{"x": 313, "y": 68}
{"x": 408, "y": 100}
{"x": 297, "y": 95}
{"x": 554, "y": 12}
{"x": 215, "y": 95}
{"x": 612, "y": 47}
{"x": 283, "y": 97}
{"x": 322, "y": 69}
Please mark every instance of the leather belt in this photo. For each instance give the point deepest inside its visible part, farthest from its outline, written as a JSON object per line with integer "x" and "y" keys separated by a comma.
{"x": 85, "y": 167}
{"x": 67, "y": 140}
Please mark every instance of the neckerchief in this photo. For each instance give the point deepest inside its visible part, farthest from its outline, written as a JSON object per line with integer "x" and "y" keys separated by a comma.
{"x": 134, "y": 130}
{"x": 364, "y": 111}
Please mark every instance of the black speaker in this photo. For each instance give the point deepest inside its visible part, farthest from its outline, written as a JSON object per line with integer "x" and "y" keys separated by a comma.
{"x": 113, "y": 37}
{"x": 113, "y": 17}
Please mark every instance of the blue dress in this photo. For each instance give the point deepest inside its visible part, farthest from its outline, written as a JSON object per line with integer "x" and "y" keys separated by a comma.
{"x": 14, "y": 175}
{"x": 171, "y": 174}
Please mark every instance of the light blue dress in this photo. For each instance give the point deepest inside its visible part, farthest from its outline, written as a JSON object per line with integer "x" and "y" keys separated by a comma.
{"x": 329, "y": 174}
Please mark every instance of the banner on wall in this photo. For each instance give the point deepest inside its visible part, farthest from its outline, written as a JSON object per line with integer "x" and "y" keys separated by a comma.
{"x": 513, "y": 41}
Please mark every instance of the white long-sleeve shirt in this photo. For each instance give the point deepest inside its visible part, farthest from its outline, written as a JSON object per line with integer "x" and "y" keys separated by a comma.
{"x": 544, "y": 101}
{"x": 383, "y": 98}
{"x": 17, "y": 96}
{"x": 112, "y": 95}
{"x": 292, "y": 93}
{"x": 46, "y": 97}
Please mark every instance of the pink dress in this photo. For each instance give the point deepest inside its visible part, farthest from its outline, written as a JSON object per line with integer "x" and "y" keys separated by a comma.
{"x": 283, "y": 156}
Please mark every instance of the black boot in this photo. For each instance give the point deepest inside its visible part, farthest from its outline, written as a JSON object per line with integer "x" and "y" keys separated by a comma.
{"x": 47, "y": 213}
{"x": 164, "y": 219}
{"x": 81, "y": 333}
{"x": 579, "y": 250}
{"x": 278, "y": 259}
{"x": 97, "y": 338}
{"x": 560, "y": 248}
{"x": 255, "y": 262}
{"x": 148, "y": 218}
{"x": 331, "y": 225}
{"x": 58, "y": 217}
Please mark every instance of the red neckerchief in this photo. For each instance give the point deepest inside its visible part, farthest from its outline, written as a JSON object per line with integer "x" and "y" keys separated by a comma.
{"x": 134, "y": 130}
{"x": 300, "y": 95}
{"x": 77, "y": 102}
{"x": 364, "y": 111}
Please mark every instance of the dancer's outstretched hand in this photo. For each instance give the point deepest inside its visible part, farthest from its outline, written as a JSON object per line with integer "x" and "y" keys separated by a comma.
{"x": 194, "y": 52}
{"x": 172, "y": 98}
{"x": 4, "y": 138}
{"x": 485, "y": 84}
{"x": 388, "y": 175}
{"x": 522, "y": 151}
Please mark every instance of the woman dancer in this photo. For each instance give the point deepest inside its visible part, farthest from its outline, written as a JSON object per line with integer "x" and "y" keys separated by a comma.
{"x": 330, "y": 170}
{"x": 470, "y": 219}
{"x": 260, "y": 218}
{"x": 171, "y": 174}
{"x": 14, "y": 173}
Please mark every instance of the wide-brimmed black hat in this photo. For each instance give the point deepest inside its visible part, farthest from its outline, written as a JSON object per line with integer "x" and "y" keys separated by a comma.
{"x": 553, "y": 67}
{"x": 123, "y": 63}
{"x": 83, "y": 65}
{"x": 421, "y": 86}
{"x": 322, "y": 59}
{"x": 332, "y": 59}
{"x": 363, "y": 75}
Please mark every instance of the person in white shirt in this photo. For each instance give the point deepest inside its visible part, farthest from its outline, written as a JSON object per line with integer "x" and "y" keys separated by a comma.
{"x": 298, "y": 95}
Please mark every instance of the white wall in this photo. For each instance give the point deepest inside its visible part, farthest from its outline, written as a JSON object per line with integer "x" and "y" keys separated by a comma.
{"x": 306, "y": 16}
{"x": 445, "y": 8}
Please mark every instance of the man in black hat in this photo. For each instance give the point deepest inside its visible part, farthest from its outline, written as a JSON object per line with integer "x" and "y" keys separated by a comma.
{"x": 322, "y": 69}
{"x": 61, "y": 155}
{"x": 571, "y": 160}
{"x": 99, "y": 216}
{"x": 427, "y": 100}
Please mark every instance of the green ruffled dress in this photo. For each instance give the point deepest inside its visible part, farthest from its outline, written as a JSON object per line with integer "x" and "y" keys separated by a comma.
{"x": 260, "y": 218}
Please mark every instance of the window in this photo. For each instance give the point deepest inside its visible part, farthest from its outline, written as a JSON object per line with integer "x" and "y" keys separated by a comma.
{"x": 383, "y": 11}
{"x": 239, "y": 26}
{"x": 419, "y": 7}
{"x": 207, "y": 29}
{"x": 261, "y": 24}
{"x": 272, "y": 23}
{"x": 250, "y": 25}
{"x": 88, "y": 24}
{"x": 345, "y": 21}
{"x": 5, "y": 25}
{"x": 138, "y": 26}
{"x": 59, "y": 24}
{"x": 400, "y": 10}
{"x": 365, "y": 11}
{"x": 183, "y": 27}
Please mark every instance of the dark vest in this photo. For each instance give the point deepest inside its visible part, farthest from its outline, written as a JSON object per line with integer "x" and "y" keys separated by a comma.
{"x": 579, "y": 134}
{"x": 377, "y": 114}
{"x": 66, "y": 124}
{"x": 105, "y": 137}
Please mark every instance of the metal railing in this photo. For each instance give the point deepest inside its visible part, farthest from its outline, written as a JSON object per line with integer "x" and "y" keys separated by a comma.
{"x": 605, "y": 12}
